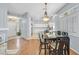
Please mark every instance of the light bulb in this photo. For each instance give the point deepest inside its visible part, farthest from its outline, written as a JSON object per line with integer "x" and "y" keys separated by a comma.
{"x": 45, "y": 18}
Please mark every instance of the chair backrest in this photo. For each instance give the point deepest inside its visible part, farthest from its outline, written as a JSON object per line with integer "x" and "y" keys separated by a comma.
{"x": 59, "y": 32}
{"x": 41, "y": 37}
{"x": 65, "y": 34}
{"x": 62, "y": 46}
{"x": 53, "y": 49}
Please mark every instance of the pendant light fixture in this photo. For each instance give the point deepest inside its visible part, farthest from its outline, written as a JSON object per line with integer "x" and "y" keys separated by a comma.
{"x": 46, "y": 17}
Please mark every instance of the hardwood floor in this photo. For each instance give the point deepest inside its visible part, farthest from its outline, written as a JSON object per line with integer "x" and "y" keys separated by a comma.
{"x": 28, "y": 47}
{"x": 72, "y": 52}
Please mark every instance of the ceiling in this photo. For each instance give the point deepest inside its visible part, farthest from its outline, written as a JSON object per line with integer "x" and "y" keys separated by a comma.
{"x": 35, "y": 10}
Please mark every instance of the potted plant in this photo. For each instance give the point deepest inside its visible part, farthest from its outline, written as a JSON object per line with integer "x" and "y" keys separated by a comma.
{"x": 18, "y": 33}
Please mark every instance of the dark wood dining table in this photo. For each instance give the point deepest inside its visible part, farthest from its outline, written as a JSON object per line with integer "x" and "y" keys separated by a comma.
{"x": 55, "y": 38}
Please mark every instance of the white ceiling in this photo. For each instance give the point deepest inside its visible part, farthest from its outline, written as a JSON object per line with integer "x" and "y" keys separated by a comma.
{"x": 34, "y": 9}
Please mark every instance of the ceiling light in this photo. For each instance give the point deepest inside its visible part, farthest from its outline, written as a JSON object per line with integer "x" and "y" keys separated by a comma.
{"x": 46, "y": 17}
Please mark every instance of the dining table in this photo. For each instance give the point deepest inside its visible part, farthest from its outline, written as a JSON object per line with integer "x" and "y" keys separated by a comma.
{"x": 54, "y": 37}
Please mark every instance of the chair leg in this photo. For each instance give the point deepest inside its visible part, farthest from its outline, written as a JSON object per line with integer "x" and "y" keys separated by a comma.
{"x": 64, "y": 52}
{"x": 40, "y": 49}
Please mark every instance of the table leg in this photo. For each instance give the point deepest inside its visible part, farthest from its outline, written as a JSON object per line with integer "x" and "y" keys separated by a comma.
{"x": 45, "y": 47}
{"x": 68, "y": 46}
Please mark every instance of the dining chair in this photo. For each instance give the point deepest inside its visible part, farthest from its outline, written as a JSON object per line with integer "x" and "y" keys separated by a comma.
{"x": 65, "y": 34}
{"x": 59, "y": 32}
{"x": 61, "y": 47}
{"x": 42, "y": 43}
{"x": 53, "y": 47}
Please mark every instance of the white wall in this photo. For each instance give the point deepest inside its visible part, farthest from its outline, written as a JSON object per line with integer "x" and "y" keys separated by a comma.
{"x": 3, "y": 26}
{"x": 3, "y": 15}
{"x": 56, "y": 23}
{"x": 26, "y": 27}
{"x": 12, "y": 28}
{"x": 3, "y": 18}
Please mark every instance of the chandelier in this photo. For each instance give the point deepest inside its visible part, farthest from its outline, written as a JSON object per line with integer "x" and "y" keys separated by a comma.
{"x": 46, "y": 17}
